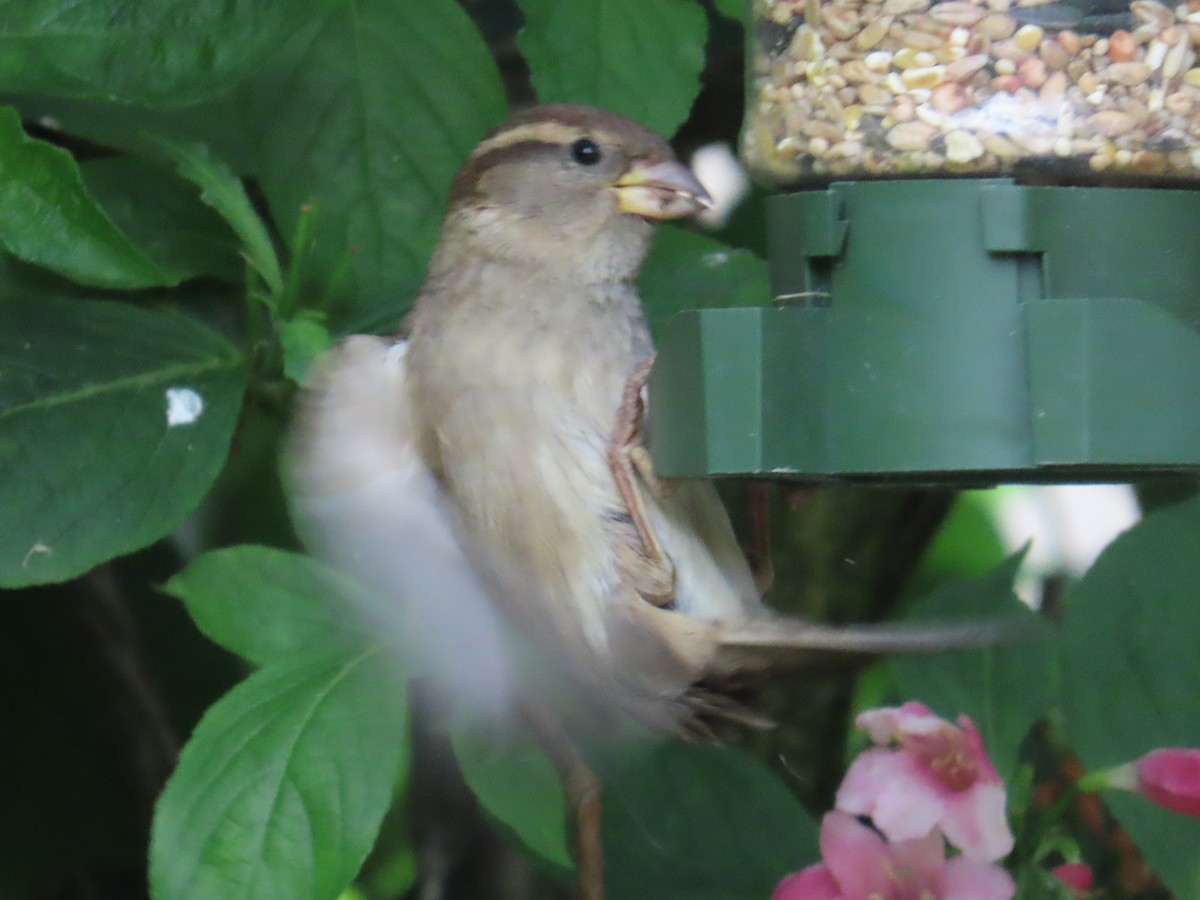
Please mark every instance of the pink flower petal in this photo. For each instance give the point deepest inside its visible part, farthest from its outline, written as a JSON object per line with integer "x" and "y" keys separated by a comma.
{"x": 871, "y": 773}
{"x": 908, "y": 809}
{"x": 860, "y": 865}
{"x": 1077, "y": 876}
{"x": 964, "y": 879}
{"x": 887, "y": 723}
{"x": 1171, "y": 778}
{"x": 976, "y": 822}
{"x": 973, "y": 744}
{"x": 812, "y": 883}
{"x": 855, "y": 855}
{"x": 939, "y": 777}
{"x": 921, "y": 859}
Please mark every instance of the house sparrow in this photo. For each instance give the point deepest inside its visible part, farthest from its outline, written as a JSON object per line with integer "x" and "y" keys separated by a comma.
{"x": 491, "y": 459}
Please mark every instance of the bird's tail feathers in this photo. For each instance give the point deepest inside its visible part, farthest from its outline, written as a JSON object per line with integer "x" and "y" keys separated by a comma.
{"x": 790, "y": 642}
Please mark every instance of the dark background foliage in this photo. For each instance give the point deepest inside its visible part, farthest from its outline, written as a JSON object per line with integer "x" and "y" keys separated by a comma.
{"x": 195, "y": 198}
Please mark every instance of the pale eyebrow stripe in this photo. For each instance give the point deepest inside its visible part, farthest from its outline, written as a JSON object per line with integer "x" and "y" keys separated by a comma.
{"x": 535, "y": 132}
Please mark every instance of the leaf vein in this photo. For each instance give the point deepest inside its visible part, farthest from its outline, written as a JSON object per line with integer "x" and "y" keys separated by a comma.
{"x": 141, "y": 380}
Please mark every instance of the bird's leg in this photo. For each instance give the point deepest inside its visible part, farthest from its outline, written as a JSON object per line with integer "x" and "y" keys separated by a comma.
{"x": 628, "y": 459}
{"x": 758, "y": 554}
{"x": 581, "y": 792}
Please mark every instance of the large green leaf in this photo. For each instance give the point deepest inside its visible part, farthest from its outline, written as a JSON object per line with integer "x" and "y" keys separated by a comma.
{"x": 155, "y": 51}
{"x": 225, "y": 124}
{"x": 1130, "y": 670}
{"x": 266, "y": 604}
{"x": 686, "y": 270}
{"x": 47, "y": 217}
{"x": 517, "y": 785}
{"x": 640, "y": 58}
{"x": 1004, "y": 689}
{"x": 683, "y": 822}
{"x": 967, "y": 544}
{"x": 283, "y": 785}
{"x": 370, "y": 119}
{"x": 164, "y": 217}
{"x": 114, "y": 422}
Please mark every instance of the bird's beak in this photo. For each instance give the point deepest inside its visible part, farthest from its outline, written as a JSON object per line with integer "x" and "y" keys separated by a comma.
{"x": 661, "y": 190}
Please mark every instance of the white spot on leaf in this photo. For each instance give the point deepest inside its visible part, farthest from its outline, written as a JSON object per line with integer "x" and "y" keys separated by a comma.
{"x": 38, "y": 549}
{"x": 183, "y": 406}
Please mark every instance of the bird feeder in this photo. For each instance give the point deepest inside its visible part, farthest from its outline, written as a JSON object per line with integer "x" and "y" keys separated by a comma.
{"x": 984, "y": 256}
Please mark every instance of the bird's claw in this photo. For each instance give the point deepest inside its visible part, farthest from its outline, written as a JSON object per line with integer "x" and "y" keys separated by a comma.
{"x": 630, "y": 461}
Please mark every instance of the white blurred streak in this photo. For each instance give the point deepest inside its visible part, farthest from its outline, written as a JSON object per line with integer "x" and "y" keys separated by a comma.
{"x": 364, "y": 500}
{"x": 723, "y": 176}
{"x": 1069, "y": 525}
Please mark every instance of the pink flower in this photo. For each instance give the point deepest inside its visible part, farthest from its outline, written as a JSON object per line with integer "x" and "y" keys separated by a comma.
{"x": 860, "y": 865}
{"x": 1076, "y": 876}
{"x": 938, "y": 777}
{"x": 1170, "y": 777}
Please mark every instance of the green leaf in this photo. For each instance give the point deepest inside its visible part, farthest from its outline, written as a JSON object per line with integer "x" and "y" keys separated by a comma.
{"x": 1130, "y": 670}
{"x": 281, "y": 790}
{"x": 737, "y": 10}
{"x": 47, "y": 217}
{"x": 517, "y": 785}
{"x": 114, "y": 422}
{"x": 224, "y": 192}
{"x": 164, "y": 217}
{"x": 266, "y": 604}
{"x": 968, "y": 542}
{"x": 700, "y": 823}
{"x": 372, "y": 118}
{"x": 640, "y": 58}
{"x": 1004, "y": 689}
{"x": 152, "y": 51}
{"x": 686, "y": 270}
{"x": 304, "y": 341}
{"x": 224, "y": 124}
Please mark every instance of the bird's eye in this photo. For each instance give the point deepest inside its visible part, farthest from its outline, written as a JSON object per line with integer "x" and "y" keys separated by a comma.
{"x": 585, "y": 152}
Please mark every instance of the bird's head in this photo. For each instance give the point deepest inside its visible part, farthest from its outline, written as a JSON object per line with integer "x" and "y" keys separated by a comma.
{"x": 569, "y": 187}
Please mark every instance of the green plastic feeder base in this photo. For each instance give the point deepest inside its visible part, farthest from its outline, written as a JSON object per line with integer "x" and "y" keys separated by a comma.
{"x": 968, "y": 331}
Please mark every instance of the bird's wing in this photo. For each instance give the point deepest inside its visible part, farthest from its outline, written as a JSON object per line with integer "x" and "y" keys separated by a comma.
{"x": 364, "y": 499}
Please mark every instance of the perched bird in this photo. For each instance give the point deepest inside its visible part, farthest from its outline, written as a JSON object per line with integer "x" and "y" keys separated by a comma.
{"x": 491, "y": 458}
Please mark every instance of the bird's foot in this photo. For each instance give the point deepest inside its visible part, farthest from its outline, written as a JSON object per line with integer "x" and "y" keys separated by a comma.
{"x": 712, "y": 717}
{"x": 630, "y": 462}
